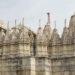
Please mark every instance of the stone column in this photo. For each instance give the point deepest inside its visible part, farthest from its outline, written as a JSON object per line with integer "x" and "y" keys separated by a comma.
{"x": 33, "y": 66}
{"x": 47, "y": 66}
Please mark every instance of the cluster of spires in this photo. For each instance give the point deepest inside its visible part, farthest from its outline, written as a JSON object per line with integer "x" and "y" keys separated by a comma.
{"x": 18, "y": 33}
{"x": 45, "y": 36}
{"x": 52, "y": 36}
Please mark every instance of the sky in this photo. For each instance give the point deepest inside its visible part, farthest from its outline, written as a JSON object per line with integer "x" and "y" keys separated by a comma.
{"x": 33, "y": 10}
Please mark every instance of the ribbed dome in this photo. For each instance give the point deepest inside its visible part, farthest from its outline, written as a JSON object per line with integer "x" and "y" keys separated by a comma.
{"x": 14, "y": 35}
{"x": 24, "y": 37}
{"x": 44, "y": 39}
{"x": 47, "y": 31}
{"x": 55, "y": 37}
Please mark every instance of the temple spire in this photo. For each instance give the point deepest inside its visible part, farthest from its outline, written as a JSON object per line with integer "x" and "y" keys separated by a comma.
{"x": 39, "y": 28}
{"x": 65, "y": 22}
{"x": 48, "y": 20}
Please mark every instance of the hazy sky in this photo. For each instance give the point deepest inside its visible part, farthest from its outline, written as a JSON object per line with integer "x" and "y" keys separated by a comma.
{"x": 33, "y": 10}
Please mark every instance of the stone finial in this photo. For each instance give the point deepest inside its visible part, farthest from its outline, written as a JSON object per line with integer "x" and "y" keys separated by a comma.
{"x": 39, "y": 32}
{"x": 48, "y": 21}
{"x": 39, "y": 29}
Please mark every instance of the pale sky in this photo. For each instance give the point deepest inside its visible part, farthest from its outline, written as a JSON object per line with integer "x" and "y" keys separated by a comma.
{"x": 33, "y": 10}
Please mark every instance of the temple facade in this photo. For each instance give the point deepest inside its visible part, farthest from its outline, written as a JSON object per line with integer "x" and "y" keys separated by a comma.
{"x": 23, "y": 52}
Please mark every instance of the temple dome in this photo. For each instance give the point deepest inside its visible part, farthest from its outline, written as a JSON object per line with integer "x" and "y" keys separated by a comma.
{"x": 14, "y": 35}
{"x": 55, "y": 38}
{"x": 24, "y": 36}
{"x": 47, "y": 31}
{"x": 44, "y": 39}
